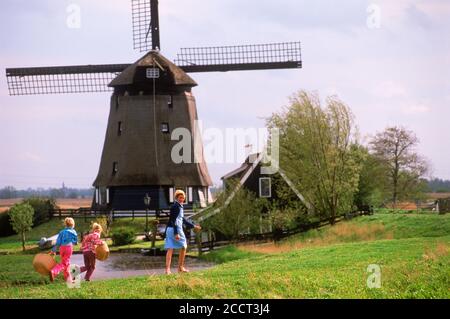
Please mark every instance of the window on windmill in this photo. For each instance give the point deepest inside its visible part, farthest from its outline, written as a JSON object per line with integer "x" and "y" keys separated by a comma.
{"x": 152, "y": 73}
{"x": 165, "y": 127}
{"x": 265, "y": 187}
{"x": 115, "y": 168}
{"x": 119, "y": 128}
{"x": 171, "y": 193}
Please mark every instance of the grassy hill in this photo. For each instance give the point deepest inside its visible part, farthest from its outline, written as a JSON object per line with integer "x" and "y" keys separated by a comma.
{"x": 412, "y": 251}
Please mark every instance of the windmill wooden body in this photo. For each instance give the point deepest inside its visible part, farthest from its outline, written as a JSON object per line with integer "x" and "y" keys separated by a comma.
{"x": 150, "y": 99}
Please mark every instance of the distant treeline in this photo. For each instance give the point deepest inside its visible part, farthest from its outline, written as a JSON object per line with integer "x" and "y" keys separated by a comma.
{"x": 437, "y": 185}
{"x": 10, "y": 192}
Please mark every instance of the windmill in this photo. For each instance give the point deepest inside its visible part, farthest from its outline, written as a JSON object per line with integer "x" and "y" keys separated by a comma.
{"x": 150, "y": 98}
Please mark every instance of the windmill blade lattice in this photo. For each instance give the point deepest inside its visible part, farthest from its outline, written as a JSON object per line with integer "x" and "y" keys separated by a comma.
{"x": 145, "y": 16}
{"x": 242, "y": 57}
{"x": 62, "y": 79}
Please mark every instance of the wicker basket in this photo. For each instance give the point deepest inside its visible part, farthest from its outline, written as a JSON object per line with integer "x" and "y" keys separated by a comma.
{"x": 43, "y": 263}
{"x": 102, "y": 252}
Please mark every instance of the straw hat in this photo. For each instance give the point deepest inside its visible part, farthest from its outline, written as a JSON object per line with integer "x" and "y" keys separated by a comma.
{"x": 179, "y": 192}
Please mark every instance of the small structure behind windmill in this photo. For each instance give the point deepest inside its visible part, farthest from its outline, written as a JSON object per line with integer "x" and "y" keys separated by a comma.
{"x": 150, "y": 98}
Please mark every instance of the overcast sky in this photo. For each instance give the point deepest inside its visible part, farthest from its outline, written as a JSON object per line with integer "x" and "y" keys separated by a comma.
{"x": 388, "y": 60}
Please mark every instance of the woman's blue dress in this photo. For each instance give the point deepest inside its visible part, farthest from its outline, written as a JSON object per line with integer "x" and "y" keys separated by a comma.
{"x": 170, "y": 241}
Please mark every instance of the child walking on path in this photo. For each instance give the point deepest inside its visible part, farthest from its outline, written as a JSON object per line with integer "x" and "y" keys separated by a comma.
{"x": 175, "y": 238}
{"x": 66, "y": 239}
{"x": 90, "y": 243}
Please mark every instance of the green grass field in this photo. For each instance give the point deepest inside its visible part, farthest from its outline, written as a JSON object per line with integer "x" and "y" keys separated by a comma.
{"x": 412, "y": 251}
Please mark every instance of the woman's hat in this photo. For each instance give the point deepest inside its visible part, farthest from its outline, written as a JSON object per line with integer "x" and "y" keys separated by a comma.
{"x": 179, "y": 192}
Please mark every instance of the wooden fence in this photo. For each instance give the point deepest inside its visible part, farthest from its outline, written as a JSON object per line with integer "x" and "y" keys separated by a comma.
{"x": 87, "y": 213}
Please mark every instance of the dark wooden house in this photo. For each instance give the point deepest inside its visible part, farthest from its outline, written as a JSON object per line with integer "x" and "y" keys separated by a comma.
{"x": 252, "y": 176}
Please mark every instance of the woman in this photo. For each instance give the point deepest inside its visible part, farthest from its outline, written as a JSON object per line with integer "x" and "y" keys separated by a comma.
{"x": 175, "y": 238}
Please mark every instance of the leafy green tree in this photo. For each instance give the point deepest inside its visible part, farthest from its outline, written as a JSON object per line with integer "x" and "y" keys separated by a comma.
{"x": 395, "y": 148}
{"x": 42, "y": 207}
{"x": 8, "y": 192}
{"x": 241, "y": 215}
{"x": 21, "y": 216}
{"x": 316, "y": 152}
{"x": 372, "y": 185}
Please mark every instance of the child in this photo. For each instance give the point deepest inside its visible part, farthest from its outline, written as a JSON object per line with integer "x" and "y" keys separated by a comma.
{"x": 66, "y": 238}
{"x": 175, "y": 238}
{"x": 88, "y": 246}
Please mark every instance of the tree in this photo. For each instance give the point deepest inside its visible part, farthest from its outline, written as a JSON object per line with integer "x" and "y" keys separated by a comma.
{"x": 372, "y": 186}
{"x": 316, "y": 152}
{"x": 42, "y": 207}
{"x": 8, "y": 192}
{"x": 21, "y": 216}
{"x": 241, "y": 215}
{"x": 395, "y": 148}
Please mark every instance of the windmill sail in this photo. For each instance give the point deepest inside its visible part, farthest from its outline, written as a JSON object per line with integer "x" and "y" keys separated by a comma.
{"x": 239, "y": 58}
{"x": 62, "y": 79}
{"x": 145, "y": 16}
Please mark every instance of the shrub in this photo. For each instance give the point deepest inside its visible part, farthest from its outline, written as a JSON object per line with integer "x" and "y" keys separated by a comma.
{"x": 5, "y": 225}
{"x": 42, "y": 207}
{"x": 242, "y": 216}
{"x": 123, "y": 236}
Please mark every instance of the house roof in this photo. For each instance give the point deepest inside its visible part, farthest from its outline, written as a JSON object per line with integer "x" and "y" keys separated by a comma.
{"x": 245, "y": 171}
{"x": 240, "y": 171}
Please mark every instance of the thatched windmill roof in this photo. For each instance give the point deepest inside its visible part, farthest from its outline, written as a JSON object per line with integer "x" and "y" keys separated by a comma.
{"x": 134, "y": 74}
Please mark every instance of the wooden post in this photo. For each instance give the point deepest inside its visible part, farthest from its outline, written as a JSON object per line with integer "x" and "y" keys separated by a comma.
{"x": 132, "y": 212}
{"x": 59, "y": 213}
{"x": 198, "y": 237}
{"x": 210, "y": 239}
{"x": 154, "y": 230}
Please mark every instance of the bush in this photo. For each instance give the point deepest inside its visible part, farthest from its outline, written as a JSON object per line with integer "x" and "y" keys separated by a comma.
{"x": 240, "y": 217}
{"x": 123, "y": 236}
{"x": 42, "y": 207}
{"x": 5, "y": 225}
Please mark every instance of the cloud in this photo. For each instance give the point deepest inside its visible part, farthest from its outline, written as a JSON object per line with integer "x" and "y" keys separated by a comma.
{"x": 390, "y": 89}
{"x": 416, "y": 109}
{"x": 31, "y": 157}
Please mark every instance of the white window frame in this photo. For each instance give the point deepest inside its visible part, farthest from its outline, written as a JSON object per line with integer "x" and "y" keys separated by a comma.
{"x": 201, "y": 196}
{"x": 107, "y": 195}
{"x": 165, "y": 128}
{"x": 190, "y": 196}
{"x": 171, "y": 195}
{"x": 210, "y": 197}
{"x": 270, "y": 187}
{"x": 152, "y": 73}
{"x": 97, "y": 196}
